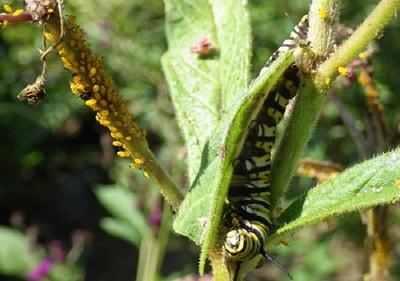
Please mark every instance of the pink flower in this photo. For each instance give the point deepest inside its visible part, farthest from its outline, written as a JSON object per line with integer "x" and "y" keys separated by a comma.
{"x": 40, "y": 271}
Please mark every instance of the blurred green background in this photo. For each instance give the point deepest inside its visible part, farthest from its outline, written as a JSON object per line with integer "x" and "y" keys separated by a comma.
{"x": 54, "y": 156}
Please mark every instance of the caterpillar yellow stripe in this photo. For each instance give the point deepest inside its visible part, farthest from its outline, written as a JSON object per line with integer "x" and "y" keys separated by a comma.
{"x": 248, "y": 211}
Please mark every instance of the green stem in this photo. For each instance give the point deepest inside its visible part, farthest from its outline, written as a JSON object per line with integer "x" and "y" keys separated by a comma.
{"x": 152, "y": 250}
{"x": 307, "y": 105}
{"x": 220, "y": 266}
{"x": 137, "y": 147}
{"x": 172, "y": 194}
{"x": 312, "y": 96}
{"x": 297, "y": 132}
{"x": 163, "y": 236}
{"x": 141, "y": 265}
{"x": 358, "y": 41}
{"x": 323, "y": 16}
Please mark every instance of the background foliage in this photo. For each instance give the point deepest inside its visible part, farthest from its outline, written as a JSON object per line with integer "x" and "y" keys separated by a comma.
{"x": 55, "y": 155}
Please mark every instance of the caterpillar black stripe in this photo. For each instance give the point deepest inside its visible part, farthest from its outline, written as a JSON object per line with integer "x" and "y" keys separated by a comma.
{"x": 248, "y": 203}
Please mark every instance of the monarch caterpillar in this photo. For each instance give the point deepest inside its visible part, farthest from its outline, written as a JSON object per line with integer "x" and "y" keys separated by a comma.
{"x": 248, "y": 202}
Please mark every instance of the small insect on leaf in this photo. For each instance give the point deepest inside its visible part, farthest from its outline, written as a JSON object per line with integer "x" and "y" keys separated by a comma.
{"x": 203, "y": 46}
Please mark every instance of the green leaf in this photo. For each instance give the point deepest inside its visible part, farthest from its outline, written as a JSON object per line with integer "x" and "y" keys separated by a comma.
{"x": 200, "y": 213}
{"x": 213, "y": 103}
{"x": 203, "y": 88}
{"x": 122, "y": 230}
{"x": 214, "y": 106}
{"x": 16, "y": 259}
{"x": 120, "y": 203}
{"x": 371, "y": 183}
{"x": 65, "y": 272}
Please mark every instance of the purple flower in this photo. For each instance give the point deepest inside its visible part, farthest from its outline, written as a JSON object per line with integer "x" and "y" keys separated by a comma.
{"x": 40, "y": 271}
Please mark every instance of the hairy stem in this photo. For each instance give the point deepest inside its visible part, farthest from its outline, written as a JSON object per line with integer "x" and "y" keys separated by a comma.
{"x": 92, "y": 84}
{"x": 323, "y": 16}
{"x": 312, "y": 95}
{"x": 358, "y": 41}
{"x": 307, "y": 105}
{"x": 219, "y": 266}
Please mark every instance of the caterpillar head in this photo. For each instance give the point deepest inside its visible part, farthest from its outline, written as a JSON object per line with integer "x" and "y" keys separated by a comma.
{"x": 241, "y": 244}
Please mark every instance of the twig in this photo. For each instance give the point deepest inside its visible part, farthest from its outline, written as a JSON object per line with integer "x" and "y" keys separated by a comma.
{"x": 364, "y": 149}
{"x": 357, "y": 42}
{"x": 379, "y": 254}
{"x": 379, "y": 251}
{"x": 96, "y": 88}
{"x": 7, "y": 19}
{"x": 61, "y": 37}
{"x": 375, "y": 107}
{"x": 321, "y": 170}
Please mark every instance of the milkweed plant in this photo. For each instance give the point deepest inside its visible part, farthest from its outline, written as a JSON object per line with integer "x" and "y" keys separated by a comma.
{"x": 208, "y": 71}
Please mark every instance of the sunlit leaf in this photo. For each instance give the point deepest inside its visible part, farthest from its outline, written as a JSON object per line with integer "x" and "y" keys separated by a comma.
{"x": 371, "y": 183}
{"x": 203, "y": 87}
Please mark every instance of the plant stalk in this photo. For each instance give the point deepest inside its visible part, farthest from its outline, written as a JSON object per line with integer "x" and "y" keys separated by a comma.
{"x": 358, "y": 41}
{"x": 307, "y": 105}
{"x": 379, "y": 251}
{"x": 110, "y": 108}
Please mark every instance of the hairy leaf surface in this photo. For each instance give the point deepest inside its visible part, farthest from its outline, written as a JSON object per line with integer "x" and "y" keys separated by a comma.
{"x": 371, "y": 183}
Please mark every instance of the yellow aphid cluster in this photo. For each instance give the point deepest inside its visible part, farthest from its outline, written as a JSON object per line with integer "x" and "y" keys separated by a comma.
{"x": 372, "y": 93}
{"x": 10, "y": 11}
{"x": 91, "y": 84}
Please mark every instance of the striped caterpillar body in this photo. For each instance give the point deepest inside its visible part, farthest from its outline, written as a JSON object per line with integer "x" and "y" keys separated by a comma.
{"x": 248, "y": 202}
